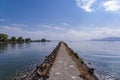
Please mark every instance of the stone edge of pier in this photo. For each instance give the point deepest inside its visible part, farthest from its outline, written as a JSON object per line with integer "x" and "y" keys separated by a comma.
{"x": 86, "y": 72}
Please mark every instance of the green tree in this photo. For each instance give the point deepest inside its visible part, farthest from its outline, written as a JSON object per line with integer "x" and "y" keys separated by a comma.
{"x": 3, "y": 37}
{"x": 43, "y": 40}
{"x": 20, "y": 39}
{"x": 13, "y": 38}
{"x": 27, "y": 40}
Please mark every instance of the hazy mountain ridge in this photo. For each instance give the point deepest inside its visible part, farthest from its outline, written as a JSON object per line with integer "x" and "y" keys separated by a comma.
{"x": 108, "y": 39}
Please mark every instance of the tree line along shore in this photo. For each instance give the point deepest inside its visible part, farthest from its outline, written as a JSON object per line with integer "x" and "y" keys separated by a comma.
{"x": 4, "y": 38}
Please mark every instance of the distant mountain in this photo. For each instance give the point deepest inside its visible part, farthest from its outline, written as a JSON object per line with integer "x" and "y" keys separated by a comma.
{"x": 108, "y": 39}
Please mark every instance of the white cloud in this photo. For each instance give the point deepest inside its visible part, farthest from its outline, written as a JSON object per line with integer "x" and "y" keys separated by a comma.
{"x": 19, "y": 25}
{"x": 94, "y": 5}
{"x": 2, "y": 20}
{"x": 13, "y": 31}
{"x": 11, "y": 28}
{"x": 104, "y": 32}
{"x": 59, "y": 28}
{"x": 85, "y": 34}
{"x": 45, "y": 26}
{"x": 86, "y": 5}
{"x": 66, "y": 24}
{"x": 67, "y": 34}
{"x": 112, "y": 5}
{"x": 48, "y": 27}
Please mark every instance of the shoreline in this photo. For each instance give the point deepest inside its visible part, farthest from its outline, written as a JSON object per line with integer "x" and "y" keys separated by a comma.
{"x": 20, "y": 42}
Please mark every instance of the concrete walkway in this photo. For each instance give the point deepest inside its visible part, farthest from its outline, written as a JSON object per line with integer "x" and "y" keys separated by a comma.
{"x": 64, "y": 68}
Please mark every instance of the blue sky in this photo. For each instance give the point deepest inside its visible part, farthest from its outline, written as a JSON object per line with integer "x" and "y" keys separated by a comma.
{"x": 60, "y": 19}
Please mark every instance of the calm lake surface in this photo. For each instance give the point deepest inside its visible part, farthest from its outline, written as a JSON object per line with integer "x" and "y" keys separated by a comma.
{"x": 104, "y": 56}
{"x": 16, "y": 58}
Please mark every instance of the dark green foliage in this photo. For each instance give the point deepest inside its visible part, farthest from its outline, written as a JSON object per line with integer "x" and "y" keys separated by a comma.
{"x": 43, "y": 40}
{"x": 20, "y": 39}
{"x": 13, "y": 39}
{"x": 27, "y": 40}
{"x": 3, "y": 37}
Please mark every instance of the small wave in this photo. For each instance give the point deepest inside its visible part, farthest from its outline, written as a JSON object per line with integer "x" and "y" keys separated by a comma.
{"x": 26, "y": 72}
{"x": 101, "y": 75}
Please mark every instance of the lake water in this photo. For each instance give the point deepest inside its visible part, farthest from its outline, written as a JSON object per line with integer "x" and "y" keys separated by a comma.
{"x": 104, "y": 56}
{"x": 17, "y": 58}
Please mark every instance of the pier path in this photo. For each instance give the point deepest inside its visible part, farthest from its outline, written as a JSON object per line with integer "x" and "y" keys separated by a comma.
{"x": 64, "y": 68}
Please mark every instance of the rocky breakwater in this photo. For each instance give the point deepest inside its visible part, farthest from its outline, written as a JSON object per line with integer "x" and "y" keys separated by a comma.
{"x": 85, "y": 72}
{"x": 42, "y": 71}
